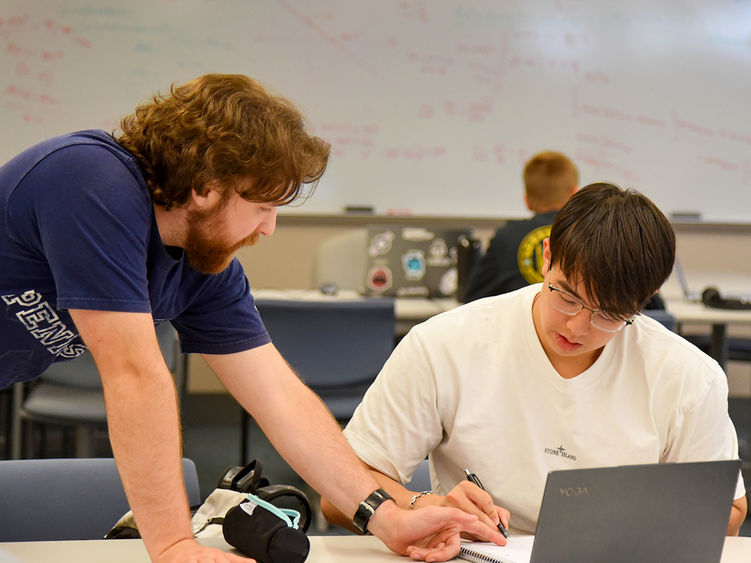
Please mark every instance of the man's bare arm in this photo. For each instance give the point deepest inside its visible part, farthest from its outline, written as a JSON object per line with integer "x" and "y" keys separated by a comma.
{"x": 464, "y": 496}
{"x": 737, "y": 515}
{"x": 144, "y": 430}
{"x": 304, "y": 432}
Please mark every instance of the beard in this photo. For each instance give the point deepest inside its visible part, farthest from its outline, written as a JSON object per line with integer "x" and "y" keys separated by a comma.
{"x": 206, "y": 250}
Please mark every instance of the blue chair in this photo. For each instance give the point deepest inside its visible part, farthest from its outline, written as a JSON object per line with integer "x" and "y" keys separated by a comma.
{"x": 67, "y": 499}
{"x": 69, "y": 396}
{"x": 337, "y": 347}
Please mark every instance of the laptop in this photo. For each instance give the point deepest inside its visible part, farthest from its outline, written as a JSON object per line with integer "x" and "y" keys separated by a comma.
{"x": 404, "y": 261}
{"x": 688, "y": 294}
{"x": 743, "y": 298}
{"x": 645, "y": 513}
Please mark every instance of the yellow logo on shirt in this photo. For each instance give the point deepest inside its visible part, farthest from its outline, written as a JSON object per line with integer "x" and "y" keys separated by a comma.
{"x": 529, "y": 255}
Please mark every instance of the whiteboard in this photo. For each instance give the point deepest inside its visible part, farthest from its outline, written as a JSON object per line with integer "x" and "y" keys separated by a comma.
{"x": 432, "y": 106}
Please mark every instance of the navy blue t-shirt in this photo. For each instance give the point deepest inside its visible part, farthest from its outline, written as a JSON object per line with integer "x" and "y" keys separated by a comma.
{"x": 77, "y": 230}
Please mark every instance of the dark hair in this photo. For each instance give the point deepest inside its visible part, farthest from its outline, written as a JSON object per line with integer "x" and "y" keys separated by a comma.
{"x": 617, "y": 243}
{"x": 225, "y": 128}
{"x": 549, "y": 177}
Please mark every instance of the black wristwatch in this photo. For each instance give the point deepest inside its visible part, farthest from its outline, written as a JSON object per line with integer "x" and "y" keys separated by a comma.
{"x": 367, "y": 508}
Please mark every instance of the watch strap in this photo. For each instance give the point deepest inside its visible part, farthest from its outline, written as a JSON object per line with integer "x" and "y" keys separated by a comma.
{"x": 367, "y": 508}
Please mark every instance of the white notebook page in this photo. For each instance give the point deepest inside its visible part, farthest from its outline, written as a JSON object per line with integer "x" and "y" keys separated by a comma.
{"x": 517, "y": 550}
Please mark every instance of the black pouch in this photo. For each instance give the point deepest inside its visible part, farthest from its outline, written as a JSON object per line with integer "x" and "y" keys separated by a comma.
{"x": 265, "y": 532}
{"x": 239, "y": 482}
{"x": 250, "y": 479}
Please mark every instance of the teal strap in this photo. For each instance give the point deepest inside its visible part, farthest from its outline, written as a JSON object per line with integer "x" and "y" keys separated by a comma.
{"x": 289, "y": 516}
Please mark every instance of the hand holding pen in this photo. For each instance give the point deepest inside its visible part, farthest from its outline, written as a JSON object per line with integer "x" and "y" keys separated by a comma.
{"x": 474, "y": 479}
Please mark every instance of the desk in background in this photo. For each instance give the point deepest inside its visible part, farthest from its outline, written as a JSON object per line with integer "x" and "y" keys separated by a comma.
{"x": 409, "y": 311}
{"x": 720, "y": 319}
{"x": 324, "y": 549}
{"x": 693, "y": 311}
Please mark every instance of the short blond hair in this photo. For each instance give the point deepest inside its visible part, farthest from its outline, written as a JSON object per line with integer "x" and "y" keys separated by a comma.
{"x": 549, "y": 178}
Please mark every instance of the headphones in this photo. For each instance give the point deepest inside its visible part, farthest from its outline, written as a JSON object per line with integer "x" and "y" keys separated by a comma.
{"x": 711, "y": 298}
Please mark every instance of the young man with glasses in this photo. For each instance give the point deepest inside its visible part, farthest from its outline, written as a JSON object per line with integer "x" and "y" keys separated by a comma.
{"x": 560, "y": 375}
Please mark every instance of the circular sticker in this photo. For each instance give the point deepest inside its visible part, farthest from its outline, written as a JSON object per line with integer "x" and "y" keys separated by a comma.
{"x": 381, "y": 243}
{"x": 449, "y": 282}
{"x": 380, "y": 279}
{"x": 413, "y": 263}
{"x": 529, "y": 254}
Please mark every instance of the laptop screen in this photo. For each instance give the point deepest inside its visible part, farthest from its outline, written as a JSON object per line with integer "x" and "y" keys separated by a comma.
{"x": 645, "y": 513}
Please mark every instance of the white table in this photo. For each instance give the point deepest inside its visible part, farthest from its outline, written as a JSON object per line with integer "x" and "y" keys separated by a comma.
{"x": 324, "y": 549}
{"x": 408, "y": 311}
{"x": 728, "y": 284}
{"x": 719, "y": 319}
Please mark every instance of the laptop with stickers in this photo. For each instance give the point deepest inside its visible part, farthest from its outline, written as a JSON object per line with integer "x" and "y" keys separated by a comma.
{"x": 405, "y": 261}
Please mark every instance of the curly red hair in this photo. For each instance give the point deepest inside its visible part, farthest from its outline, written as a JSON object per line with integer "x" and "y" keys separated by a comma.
{"x": 225, "y": 128}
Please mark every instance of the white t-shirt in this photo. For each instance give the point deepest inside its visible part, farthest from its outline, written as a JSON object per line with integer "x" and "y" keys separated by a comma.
{"x": 473, "y": 388}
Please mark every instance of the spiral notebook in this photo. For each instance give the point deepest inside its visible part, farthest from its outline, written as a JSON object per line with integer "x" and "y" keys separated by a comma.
{"x": 646, "y": 513}
{"x": 517, "y": 550}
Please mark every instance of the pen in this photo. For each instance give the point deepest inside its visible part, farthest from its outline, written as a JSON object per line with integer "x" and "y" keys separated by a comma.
{"x": 474, "y": 479}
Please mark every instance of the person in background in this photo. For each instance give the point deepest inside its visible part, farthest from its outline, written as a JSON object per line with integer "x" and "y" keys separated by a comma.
{"x": 102, "y": 237}
{"x": 514, "y": 256}
{"x": 563, "y": 374}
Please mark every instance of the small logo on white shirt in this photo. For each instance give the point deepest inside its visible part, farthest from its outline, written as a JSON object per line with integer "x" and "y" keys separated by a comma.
{"x": 560, "y": 451}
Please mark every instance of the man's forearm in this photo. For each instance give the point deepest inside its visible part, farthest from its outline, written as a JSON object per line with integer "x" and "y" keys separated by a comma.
{"x": 401, "y": 495}
{"x": 144, "y": 432}
{"x": 297, "y": 423}
{"x": 313, "y": 444}
{"x": 737, "y": 516}
{"x": 304, "y": 432}
{"x": 309, "y": 438}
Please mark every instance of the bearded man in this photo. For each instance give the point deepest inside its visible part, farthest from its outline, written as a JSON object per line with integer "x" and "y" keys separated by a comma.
{"x": 102, "y": 237}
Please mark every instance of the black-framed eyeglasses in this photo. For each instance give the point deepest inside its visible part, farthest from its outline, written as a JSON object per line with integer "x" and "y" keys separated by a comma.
{"x": 563, "y": 302}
